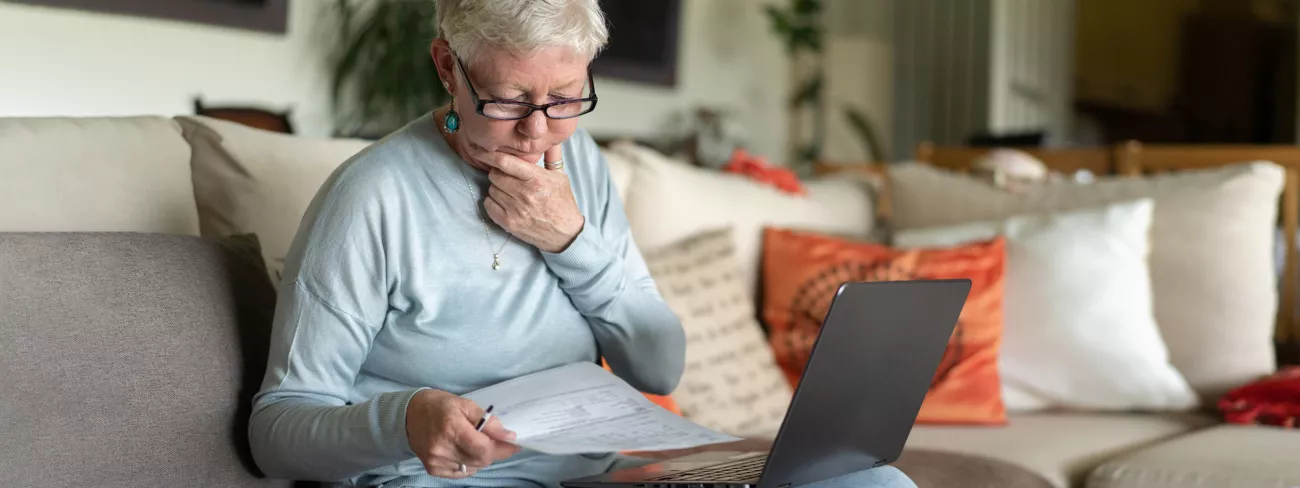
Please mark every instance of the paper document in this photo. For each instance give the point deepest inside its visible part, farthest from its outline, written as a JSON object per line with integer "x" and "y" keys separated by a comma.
{"x": 581, "y": 408}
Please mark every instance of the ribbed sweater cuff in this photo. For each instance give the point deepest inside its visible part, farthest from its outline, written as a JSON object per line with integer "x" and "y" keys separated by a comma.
{"x": 390, "y": 422}
{"x": 585, "y": 257}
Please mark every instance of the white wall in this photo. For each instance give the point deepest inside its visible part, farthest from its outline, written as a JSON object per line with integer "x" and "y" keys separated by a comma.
{"x": 66, "y": 62}
{"x": 729, "y": 58}
{"x": 859, "y": 61}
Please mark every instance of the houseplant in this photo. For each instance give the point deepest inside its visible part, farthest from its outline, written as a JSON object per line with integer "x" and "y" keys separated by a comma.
{"x": 800, "y": 26}
{"x": 383, "y": 75}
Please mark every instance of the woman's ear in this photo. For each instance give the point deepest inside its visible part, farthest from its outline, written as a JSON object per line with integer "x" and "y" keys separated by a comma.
{"x": 440, "y": 50}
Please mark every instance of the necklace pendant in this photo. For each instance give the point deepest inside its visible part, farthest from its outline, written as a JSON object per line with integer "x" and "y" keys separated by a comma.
{"x": 496, "y": 262}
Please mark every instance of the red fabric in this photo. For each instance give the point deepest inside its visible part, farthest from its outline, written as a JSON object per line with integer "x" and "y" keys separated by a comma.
{"x": 1274, "y": 400}
{"x": 756, "y": 168}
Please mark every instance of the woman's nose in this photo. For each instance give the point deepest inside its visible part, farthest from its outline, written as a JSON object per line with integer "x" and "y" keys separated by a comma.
{"x": 534, "y": 125}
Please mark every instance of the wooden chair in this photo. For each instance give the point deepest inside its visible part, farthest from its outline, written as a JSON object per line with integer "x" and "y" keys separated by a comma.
{"x": 1137, "y": 159}
{"x": 1098, "y": 160}
{"x": 252, "y": 117}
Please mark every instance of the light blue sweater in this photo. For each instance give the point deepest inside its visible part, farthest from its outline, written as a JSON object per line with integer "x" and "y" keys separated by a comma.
{"x": 389, "y": 289}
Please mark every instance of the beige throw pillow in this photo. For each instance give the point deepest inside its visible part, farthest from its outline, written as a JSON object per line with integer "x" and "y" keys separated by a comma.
{"x": 732, "y": 382}
{"x": 109, "y": 174}
{"x": 1212, "y": 251}
{"x": 670, "y": 200}
{"x": 251, "y": 181}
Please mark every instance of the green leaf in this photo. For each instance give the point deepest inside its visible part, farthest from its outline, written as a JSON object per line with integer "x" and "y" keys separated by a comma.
{"x": 862, "y": 126}
{"x": 809, "y": 92}
{"x": 807, "y": 8}
{"x": 382, "y": 73}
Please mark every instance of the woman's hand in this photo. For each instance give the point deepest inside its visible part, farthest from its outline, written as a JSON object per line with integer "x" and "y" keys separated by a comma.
{"x": 534, "y": 204}
{"x": 440, "y": 427}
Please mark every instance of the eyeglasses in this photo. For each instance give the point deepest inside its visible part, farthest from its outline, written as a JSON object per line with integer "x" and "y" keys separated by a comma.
{"x": 515, "y": 110}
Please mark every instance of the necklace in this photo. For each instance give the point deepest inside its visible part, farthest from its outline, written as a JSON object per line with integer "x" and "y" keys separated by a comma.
{"x": 487, "y": 235}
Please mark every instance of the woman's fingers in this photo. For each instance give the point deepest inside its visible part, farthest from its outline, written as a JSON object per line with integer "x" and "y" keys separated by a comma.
{"x": 513, "y": 166}
{"x": 446, "y": 464}
{"x": 498, "y": 432}
{"x": 502, "y": 197}
{"x": 475, "y": 449}
{"x": 553, "y": 158}
{"x": 496, "y": 211}
{"x": 512, "y": 185}
{"x": 503, "y": 450}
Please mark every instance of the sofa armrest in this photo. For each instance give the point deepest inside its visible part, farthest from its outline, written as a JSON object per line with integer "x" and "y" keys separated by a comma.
{"x": 1226, "y": 455}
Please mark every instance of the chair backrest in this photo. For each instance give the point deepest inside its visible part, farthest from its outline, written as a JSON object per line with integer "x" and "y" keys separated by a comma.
{"x": 1098, "y": 160}
{"x": 250, "y": 116}
{"x": 1134, "y": 158}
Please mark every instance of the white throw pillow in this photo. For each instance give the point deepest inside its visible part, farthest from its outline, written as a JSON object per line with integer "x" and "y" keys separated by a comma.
{"x": 249, "y": 180}
{"x": 1212, "y": 269}
{"x": 1079, "y": 331}
{"x": 670, "y": 201}
{"x": 621, "y": 170}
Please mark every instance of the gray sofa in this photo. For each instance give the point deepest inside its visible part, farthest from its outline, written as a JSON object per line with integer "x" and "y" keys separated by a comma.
{"x": 130, "y": 345}
{"x": 130, "y": 359}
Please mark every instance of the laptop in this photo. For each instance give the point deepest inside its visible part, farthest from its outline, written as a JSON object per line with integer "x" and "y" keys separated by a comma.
{"x": 870, "y": 368}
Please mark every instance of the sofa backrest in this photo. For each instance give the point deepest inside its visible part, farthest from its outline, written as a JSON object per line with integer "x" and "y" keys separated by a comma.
{"x": 95, "y": 174}
{"x": 130, "y": 359}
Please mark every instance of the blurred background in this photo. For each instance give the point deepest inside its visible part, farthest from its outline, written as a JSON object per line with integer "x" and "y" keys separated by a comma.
{"x": 1062, "y": 154}
{"x": 866, "y": 80}
{"x": 1060, "y": 71}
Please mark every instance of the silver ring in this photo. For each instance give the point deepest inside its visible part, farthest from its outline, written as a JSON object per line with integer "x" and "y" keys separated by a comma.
{"x": 556, "y": 166}
{"x": 462, "y": 467}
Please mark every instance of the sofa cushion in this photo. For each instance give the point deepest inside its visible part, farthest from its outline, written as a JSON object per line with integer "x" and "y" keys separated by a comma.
{"x": 670, "y": 200}
{"x": 622, "y": 170}
{"x": 1212, "y": 232}
{"x": 1061, "y": 447}
{"x": 130, "y": 359}
{"x": 95, "y": 174}
{"x": 802, "y": 274}
{"x": 1079, "y": 330}
{"x": 1219, "y": 457}
{"x": 731, "y": 383}
{"x": 252, "y": 181}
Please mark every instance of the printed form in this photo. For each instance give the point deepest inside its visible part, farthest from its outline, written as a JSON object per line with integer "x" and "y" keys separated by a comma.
{"x": 581, "y": 408}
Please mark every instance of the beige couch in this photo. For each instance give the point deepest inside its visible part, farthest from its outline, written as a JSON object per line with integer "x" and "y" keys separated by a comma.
{"x": 194, "y": 176}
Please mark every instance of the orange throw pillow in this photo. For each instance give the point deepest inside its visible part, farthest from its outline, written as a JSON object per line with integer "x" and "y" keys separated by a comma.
{"x": 664, "y": 401}
{"x": 801, "y": 272}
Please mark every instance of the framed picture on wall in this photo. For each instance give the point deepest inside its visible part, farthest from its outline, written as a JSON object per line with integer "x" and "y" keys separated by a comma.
{"x": 643, "y": 41}
{"x": 258, "y": 15}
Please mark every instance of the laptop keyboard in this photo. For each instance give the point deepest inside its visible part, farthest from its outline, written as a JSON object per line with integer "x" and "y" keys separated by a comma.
{"x": 742, "y": 470}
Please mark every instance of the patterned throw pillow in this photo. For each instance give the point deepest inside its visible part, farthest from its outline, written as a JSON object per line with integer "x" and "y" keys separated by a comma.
{"x": 801, "y": 272}
{"x": 732, "y": 383}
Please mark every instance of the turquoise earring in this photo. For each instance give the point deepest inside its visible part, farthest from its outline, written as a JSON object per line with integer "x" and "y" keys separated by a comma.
{"x": 451, "y": 121}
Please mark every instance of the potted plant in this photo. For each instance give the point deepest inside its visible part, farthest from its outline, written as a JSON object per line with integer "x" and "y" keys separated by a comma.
{"x": 383, "y": 75}
{"x": 799, "y": 24}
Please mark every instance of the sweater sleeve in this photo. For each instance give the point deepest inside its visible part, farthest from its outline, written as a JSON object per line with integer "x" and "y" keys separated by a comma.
{"x": 331, "y": 306}
{"x": 606, "y": 277}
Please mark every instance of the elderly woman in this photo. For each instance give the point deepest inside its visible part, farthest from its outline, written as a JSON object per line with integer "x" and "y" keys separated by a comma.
{"x": 479, "y": 243}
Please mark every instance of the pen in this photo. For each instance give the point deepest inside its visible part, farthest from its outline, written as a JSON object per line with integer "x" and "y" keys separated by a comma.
{"x": 487, "y": 414}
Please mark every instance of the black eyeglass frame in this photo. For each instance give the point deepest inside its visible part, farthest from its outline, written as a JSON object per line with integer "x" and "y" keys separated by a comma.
{"x": 479, "y": 104}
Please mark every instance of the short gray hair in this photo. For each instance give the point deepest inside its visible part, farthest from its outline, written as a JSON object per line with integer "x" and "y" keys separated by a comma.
{"x": 522, "y": 26}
